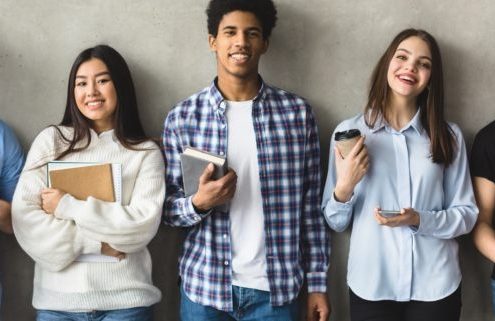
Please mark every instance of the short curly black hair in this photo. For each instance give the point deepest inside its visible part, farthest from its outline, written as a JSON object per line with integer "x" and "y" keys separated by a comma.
{"x": 264, "y": 10}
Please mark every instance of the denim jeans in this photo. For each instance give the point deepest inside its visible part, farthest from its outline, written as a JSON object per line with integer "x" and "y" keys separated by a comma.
{"x": 249, "y": 305}
{"x": 132, "y": 314}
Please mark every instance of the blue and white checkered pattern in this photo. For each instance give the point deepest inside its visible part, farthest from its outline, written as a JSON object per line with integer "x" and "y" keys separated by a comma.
{"x": 297, "y": 242}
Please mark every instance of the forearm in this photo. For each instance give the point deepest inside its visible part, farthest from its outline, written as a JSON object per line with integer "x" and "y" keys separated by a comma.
{"x": 337, "y": 204}
{"x": 338, "y": 215}
{"x": 51, "y": 242}
{"x": 179, "y": 211}
{"x": 134, "y": 222}
{"x": 314, "y": 232}
{"x": 315, "y": 243}
{"x": 316, "y": 252}
{"x": 449, "y": 223}
{"x": 111, "y": 222}
{"x": 457, "y": 214}
{"x": 484, "y": 239}
{"x": 5, "y": 217}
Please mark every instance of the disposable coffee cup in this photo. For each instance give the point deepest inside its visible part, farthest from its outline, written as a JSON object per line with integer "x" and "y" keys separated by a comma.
{"x": 346, "y": 140}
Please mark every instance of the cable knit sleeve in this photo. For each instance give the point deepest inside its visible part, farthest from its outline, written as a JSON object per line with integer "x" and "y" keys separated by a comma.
{"x": 51, "y": 242}
{"x": 129, "y": 227}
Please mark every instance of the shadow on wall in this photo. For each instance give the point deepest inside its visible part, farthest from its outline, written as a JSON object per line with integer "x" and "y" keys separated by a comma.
{"x": 165, "y": 249}
{"x": 17, "y": 271}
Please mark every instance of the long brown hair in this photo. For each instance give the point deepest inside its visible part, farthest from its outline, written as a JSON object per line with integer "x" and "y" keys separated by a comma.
{"x": 127, "y": 125}
{"x": 430, "y": 101}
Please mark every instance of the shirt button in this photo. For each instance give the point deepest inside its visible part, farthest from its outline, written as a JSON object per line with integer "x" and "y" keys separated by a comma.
{"x": 225, "y": 236}
{"x": 226, "y": 262}
{"x": 221, "y": 153}
{"x": 197, "y": 218}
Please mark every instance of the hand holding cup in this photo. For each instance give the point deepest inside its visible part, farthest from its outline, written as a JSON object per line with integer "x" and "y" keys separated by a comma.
{"x": 350, "y": 167}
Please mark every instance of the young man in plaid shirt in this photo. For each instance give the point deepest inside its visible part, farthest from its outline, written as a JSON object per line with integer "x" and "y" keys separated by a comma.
{"x": 255, "y": 235}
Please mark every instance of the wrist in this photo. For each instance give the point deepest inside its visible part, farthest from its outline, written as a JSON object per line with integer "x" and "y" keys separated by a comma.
{"x": 416, "y": 219}
{"x": 342, "y": 193}
{"x": 198, "y": 205}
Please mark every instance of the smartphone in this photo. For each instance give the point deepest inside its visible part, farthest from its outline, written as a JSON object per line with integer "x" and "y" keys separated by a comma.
{"x": 389, "y": 213}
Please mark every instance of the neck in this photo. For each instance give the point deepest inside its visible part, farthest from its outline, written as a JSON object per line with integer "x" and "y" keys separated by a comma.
{"x": 239, "y": 89}
{"x": 100, "y": 128}
{"x": 400, "y": 111}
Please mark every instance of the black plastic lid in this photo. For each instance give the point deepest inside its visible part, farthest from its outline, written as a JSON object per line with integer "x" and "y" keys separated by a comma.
{"x": 348, "y": 134}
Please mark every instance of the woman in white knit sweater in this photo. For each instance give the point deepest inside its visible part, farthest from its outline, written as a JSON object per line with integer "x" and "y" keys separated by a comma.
{"x": 101, "y": 124}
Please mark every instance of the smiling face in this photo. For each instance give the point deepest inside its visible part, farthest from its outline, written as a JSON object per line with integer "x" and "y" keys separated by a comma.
{"x": 409, "y": 70}
{"x": 238, "y": 45}
{"x": 95, "y": 94}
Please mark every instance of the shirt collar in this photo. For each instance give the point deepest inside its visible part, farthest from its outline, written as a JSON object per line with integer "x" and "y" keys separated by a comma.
{"x": 217, "y": 101}
{"x": 103, "y": 135}
{"x": 415, "y": 123}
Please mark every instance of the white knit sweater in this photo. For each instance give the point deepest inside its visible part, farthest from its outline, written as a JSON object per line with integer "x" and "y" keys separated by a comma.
{"x": 78, "y": 227}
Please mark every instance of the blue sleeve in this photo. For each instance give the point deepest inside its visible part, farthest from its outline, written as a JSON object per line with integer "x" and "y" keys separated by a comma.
{"x": 337, "y": 214}
{"x": 460, "y": 212}
{"x": 178, "y": 209}
{"x": 11, "y": 162}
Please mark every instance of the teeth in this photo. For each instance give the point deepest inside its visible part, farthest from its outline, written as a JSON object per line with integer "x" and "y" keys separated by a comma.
{"x": 94, "y": 103}
{"x": 407, "y": 78}
{"x": 239, "y": 56}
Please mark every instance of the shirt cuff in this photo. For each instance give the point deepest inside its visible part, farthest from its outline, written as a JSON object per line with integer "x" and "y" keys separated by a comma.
{"x": 426, "y": 222}
{"x": 195, "y": 216}
{"x": 63, "y": 210}
{"x": 338, "y": 214}
{"x": 350, "y": 202}
{"x": 317, "y": 282}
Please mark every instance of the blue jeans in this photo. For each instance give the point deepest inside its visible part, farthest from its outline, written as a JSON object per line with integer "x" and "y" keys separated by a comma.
{"x": 132, "y": 314}
{"x": 249, "y": 305}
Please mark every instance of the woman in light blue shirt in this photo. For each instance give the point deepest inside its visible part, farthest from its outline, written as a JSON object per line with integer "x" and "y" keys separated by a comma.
{"x": 403, "y": 266}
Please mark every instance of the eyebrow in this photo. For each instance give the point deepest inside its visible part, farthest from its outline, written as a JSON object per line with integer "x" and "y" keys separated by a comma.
{"x": 407, "y": 51}
{"x": 97, "y": 75}
{"x": 248, "y": 29}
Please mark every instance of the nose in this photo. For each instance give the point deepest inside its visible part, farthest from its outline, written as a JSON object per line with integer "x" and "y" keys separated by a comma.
{"x": 241, "y": 39}
{"x": 91, "y": 89}
{"x": 411, "y": 66}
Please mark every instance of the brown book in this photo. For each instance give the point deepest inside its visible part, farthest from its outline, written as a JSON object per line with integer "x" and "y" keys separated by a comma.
{"x": 85, "y": 181}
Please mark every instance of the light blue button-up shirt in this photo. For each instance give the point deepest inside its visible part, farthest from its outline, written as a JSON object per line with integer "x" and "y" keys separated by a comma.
{"x": 404, "y": 263}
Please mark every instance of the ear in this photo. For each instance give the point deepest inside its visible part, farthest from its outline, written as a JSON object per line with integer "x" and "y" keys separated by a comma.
{"x": 265, "y": 46}
{"x": 212, "y": 41}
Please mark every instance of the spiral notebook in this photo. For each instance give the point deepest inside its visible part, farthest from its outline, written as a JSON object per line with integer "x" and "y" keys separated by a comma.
{"x": 83, "y": 179}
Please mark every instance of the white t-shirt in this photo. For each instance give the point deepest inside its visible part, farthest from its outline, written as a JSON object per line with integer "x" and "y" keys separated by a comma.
{"x": 247, "y": 226}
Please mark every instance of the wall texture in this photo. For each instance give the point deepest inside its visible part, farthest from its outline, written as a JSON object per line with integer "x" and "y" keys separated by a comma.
{"x": 322, "y": 50}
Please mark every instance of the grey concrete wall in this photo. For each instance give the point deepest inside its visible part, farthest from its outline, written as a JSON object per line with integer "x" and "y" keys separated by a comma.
{"x": 323, "y": 50}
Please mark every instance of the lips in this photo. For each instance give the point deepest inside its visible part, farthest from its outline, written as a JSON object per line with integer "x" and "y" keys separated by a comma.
{"x": 407, "y": 79}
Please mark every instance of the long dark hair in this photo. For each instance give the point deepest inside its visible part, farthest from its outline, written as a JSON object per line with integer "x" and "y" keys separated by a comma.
{"x": 126, "y": 123}
{"x": 430, "y": 101}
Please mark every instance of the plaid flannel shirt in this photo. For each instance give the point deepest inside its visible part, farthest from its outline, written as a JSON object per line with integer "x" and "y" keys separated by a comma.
{"x": 297, "y": 242}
